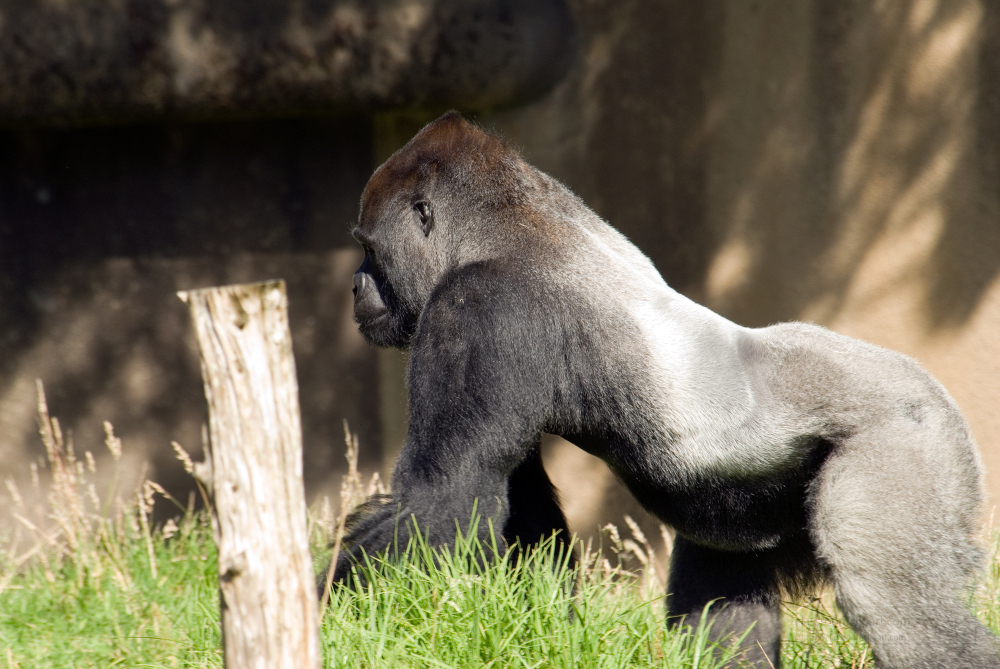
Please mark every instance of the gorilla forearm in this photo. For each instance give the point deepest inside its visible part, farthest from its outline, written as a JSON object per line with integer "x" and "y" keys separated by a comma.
{"x": 383, "y": 527}
{"x": 369, "y": 530}
{"x": 436, "y": 509}
{"x": 526, "y": 513}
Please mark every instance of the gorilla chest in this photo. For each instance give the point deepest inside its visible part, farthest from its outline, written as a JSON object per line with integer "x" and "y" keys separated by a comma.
{"x": 733, "y": 512}
{"x": 728, "y": 514}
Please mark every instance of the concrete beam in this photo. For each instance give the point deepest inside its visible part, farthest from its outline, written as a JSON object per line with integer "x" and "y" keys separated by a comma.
{"x": 112, "y": 61}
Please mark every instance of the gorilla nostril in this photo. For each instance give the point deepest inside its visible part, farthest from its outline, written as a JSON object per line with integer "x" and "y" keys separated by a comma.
{"x": 359, "y": 283}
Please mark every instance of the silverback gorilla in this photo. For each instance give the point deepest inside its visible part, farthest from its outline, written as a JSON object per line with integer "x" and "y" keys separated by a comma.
{"x": 782, "y": 456}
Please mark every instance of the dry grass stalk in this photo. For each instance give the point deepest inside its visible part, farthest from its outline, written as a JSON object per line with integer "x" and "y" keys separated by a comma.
{"x": 183, "y": 456}
{"x": 352, "y": 493}
{"x": 74, "y": 524}
{"x": 145, "y": 505}
{"x": 613, "y": 559}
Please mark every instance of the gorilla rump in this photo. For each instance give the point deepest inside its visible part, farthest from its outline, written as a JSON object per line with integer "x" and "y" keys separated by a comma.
{"x": 781, "y": 455}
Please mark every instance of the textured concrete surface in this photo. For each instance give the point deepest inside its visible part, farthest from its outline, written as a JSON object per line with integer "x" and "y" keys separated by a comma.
{"x": 109, "y": 62}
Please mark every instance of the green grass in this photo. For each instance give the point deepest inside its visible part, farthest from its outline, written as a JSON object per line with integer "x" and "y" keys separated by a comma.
{"x": 467, "y": 612}
{"x": 85, "y": 581}
{"x": 102, "y": 606}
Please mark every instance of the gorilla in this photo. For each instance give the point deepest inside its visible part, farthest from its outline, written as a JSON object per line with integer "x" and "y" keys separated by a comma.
{"x": 782, "y": 456}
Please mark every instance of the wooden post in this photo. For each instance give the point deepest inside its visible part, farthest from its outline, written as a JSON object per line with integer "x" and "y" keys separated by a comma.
{"x": 269, "y": 612}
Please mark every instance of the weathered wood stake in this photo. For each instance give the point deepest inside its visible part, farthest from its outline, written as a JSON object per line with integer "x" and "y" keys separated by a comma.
{"x": 269, "y": 614}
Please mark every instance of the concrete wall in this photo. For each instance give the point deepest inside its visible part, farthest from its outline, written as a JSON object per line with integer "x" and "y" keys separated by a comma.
{"x": 93, "y": 61}
{"x": 821, "y": 160}
{"x": 830, "y": 160}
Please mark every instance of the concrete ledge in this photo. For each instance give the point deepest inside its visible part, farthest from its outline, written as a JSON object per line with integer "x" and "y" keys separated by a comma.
{"x": 112, "y": 61}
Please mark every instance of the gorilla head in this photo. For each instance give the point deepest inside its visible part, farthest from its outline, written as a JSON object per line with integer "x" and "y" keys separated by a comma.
{"x": 424, "y": 211}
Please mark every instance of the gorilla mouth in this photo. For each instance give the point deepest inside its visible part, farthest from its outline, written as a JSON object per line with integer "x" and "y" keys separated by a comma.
{"x": 369, "y": 320}
{"x": 367, "y": 312}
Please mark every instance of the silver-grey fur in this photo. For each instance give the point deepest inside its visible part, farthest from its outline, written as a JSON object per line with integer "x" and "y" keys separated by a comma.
{"x": 895, "y": 506}
{"x": 782, "y": 456}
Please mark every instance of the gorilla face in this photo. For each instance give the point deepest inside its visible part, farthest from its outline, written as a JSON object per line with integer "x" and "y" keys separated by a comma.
{"x": 423, "y": 213}
{"x": 377, "y": 309}
{"x": 389, "y": 295}
{"x": 404, "y": 251}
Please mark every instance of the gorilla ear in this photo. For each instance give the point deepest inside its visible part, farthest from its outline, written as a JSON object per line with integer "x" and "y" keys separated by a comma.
{"x": 425, "y": 216}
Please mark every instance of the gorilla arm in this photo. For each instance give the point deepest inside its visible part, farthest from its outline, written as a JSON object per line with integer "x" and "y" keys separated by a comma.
{"x": 477, "y": 407}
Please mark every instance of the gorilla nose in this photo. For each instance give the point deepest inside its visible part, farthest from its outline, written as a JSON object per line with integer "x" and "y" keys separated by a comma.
{"x": 359, "y": 283}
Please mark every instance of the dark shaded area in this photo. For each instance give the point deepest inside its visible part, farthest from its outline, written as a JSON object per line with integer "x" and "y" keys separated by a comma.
{"x": 99, "y": 227}
{"x": 654, "y": 191}
{"x": 182, "y": 190}
{"x": 168, "y": 192}
{"x": 628, "y": 128}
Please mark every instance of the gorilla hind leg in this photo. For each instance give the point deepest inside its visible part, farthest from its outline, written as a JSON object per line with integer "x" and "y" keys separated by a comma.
{"x": 893, "y": 522}
{"x": 744, "y": 590}
{"x": 915, "y": 634}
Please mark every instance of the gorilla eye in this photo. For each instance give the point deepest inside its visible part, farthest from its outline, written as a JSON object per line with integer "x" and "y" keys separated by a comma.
{"x": 366, "y": 248}
{"x": 423, "y": 209}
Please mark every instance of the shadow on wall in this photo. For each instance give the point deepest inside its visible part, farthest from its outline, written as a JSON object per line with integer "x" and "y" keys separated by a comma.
{"x": 781, "y": 162}
{"x": 626, "y": 129}
{"x": 858, "y": 170}
{"x": 100, "y": 227}
{"x": 119, "y": 346}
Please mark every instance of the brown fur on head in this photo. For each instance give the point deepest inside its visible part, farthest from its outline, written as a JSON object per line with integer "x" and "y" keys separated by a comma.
{"x": 486, "y": 167}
